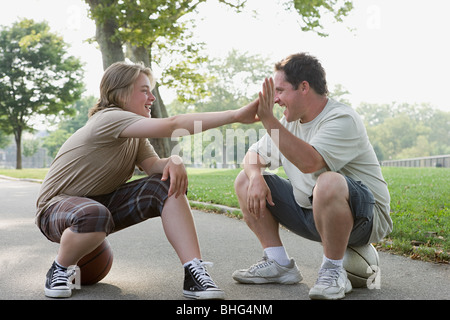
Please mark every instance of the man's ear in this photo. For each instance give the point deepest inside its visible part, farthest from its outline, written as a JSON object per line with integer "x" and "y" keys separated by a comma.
{"x": 304, "y": 87}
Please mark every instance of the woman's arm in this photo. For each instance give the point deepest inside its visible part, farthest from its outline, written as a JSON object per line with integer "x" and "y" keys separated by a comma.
{"x": 172, "y": 167}
{"x": 185, "y": 124}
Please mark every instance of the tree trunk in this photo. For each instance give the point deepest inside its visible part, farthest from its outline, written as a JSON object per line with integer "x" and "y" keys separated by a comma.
{"x": 110, "y": 47}
{"x": 112, "y": 51}
{"x": 163, "y": 146}
{"x": 18, "y": 138}
{"x": 140, "y": 54}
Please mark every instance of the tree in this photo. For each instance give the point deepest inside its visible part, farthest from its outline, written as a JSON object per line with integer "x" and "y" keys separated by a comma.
{"x": 80, "y": 117}
{"x": 143, "y": 27}
{"x": 68, "y": 125}
{"x": 5, "y": 140}
{"x": 36, "y": 77}
{"x": 153, "y": 30}
{"x": 55, "y": 140}
{"x": 401, "y": 130}
{"x": 232, "y": 82}
{"x": 311, "y": 12}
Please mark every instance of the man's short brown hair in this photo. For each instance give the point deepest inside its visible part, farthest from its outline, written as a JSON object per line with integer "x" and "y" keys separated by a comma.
{"x": 304, "y": 67}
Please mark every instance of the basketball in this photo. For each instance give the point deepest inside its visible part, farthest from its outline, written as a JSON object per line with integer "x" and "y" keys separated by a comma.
{"x": 362, "y": 266}
{"x": 96, "y": 265}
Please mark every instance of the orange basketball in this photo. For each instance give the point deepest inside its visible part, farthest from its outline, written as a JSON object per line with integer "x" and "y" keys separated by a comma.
{"x": 96, "y": 265}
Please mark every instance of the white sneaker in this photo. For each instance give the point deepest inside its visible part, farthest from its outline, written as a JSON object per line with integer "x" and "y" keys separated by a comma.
{"x": 269, "y": 271}
{"x": 332, "y": 283}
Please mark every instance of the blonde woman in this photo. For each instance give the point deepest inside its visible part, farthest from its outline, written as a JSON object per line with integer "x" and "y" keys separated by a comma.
{"x": 85, "y": 195}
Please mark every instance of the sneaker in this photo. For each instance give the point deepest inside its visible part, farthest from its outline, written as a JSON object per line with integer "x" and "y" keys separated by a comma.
{"x": 58, "y": 282}
{"x": 198, "y": 283}
{"x": 332, "y": 283}
{"x": 269, "y": 271}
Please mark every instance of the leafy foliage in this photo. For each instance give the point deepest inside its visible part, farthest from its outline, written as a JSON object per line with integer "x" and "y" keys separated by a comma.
{"x": 311, "y": 12}
{"x": 68, "y": 125}
{"x": 37, "y": 76}
{"x": 164, "y": 29}
{"x": 399, "y": 131}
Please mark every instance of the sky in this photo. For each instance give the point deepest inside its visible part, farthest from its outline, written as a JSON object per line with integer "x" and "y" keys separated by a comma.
{"x": 385, "y": 51}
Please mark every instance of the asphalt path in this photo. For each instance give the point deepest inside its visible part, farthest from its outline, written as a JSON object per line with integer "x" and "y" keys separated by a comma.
{"x": 146, "y": 267}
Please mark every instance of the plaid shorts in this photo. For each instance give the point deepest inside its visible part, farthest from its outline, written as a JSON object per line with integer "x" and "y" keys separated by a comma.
{"x": 133, "y": 202}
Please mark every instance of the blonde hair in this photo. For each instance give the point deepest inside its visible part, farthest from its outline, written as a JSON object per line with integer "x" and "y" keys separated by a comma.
{"x": 117, "y": 85}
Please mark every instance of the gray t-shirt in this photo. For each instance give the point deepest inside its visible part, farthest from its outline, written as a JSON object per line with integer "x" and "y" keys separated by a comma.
{"x": 339, "y": 135}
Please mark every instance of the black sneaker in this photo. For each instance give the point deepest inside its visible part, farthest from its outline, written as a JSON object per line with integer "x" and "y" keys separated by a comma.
{"x": 198, "y": 283}
{"x": 58, "y": 281}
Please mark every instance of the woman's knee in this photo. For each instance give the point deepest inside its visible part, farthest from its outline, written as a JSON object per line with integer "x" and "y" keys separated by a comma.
{"x": 94, "y": 218}
{"x": 81, "y": 215}
{"x": 154, "y": 180}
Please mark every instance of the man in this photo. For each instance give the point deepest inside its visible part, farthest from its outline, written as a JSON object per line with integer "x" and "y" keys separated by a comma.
{"x": 335, "y": 194}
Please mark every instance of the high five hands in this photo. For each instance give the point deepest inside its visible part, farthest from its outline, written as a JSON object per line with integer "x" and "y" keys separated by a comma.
{"x": 266, "y": 99}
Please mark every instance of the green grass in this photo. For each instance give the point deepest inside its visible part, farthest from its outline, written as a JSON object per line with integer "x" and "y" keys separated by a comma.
{"x": 213, "y": 186}
{"x": 419, "y": 207}
{"x": 420, "y": 204}
{"x": 25, "y": 173}
{"x": 420, "y": 210}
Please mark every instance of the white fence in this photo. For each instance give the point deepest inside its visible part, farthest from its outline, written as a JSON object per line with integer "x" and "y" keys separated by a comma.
{"x": 39, "y": 160}
{"x": 434, "y": 161}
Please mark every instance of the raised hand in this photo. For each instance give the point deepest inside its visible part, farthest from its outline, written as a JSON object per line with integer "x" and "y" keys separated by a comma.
{"x": 266, "y": 99}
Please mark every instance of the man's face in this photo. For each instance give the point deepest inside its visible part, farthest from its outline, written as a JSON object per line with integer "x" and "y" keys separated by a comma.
{"x": 288, "y": 97}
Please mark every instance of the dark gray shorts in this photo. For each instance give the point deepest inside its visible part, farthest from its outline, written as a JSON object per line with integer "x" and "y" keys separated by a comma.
{"x": 130, "y": 204}
{"x": 301, "y": 221}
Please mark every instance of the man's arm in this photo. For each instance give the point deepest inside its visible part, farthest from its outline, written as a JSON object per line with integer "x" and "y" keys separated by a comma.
{"x": 258, "y": 191}
{"x": 300, "y": 153}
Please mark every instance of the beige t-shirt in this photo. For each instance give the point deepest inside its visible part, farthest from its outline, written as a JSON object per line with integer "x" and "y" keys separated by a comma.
{"x": 94, "y": 160}
{"x": 339, "y": 135}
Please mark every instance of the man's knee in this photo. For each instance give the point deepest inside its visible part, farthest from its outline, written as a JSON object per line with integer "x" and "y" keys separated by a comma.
{"x": 329, "y": 187}
{"x": 241, "y": 183}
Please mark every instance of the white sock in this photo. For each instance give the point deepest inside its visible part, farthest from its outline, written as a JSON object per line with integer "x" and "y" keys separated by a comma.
{"x": 278, "y": 254}
{"x": 190, "y": 262}
{"x": 59, "y": 265}
{"x": 337, "y": 263}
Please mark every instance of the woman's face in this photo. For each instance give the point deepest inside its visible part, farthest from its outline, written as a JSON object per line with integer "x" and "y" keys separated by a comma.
{"x": 141, "y": 99}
